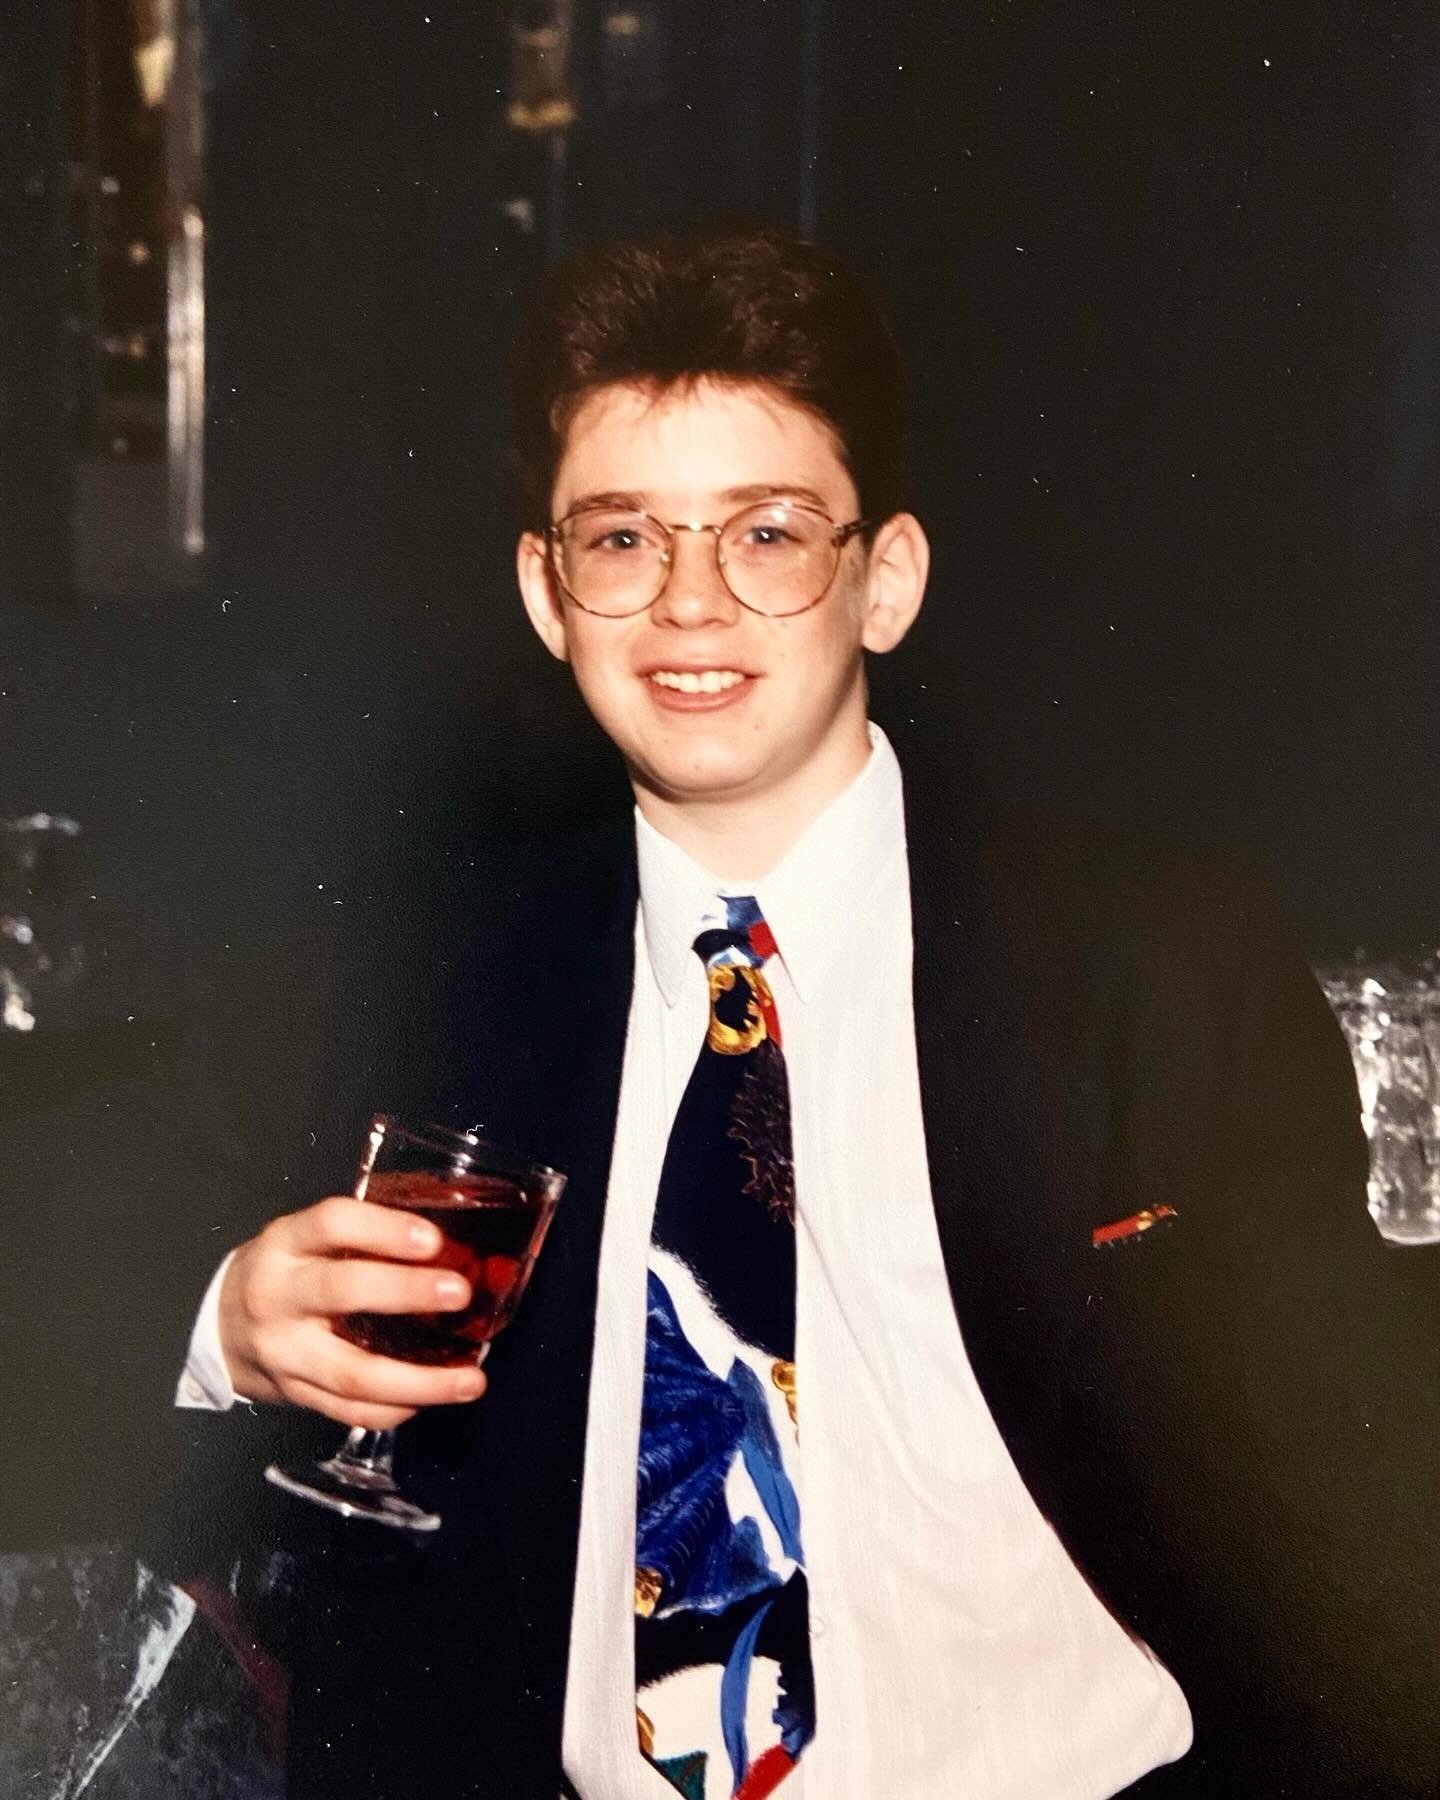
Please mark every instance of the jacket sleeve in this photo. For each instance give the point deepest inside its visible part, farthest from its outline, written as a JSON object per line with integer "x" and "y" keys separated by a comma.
{"x": 1331, "y": 1423}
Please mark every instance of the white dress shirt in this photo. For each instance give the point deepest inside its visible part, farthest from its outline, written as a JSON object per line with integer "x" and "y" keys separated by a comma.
{"x": 957, "y": 1651}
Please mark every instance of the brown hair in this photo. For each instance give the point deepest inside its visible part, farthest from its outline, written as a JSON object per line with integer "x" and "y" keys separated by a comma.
{"x": 729, "y": 302}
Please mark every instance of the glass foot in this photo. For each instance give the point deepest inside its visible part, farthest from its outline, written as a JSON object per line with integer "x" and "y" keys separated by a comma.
{"x": 355, "y": 1492}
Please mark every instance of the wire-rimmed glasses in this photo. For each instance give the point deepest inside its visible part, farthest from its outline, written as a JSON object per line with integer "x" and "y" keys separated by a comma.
{"x": 776, "y": 558}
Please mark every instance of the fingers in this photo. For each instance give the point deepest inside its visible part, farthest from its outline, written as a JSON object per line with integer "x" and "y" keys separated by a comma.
{"x": 348, "y": 1412}
{"x": 341, "y": 1223}
{"x": 334, "y": 1287}
{"x": 287, "y": 1292}
{"x": 375, "y": 1392}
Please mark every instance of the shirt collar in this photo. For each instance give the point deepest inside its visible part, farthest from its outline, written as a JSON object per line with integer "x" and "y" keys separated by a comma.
{"x": 812, "y": 899}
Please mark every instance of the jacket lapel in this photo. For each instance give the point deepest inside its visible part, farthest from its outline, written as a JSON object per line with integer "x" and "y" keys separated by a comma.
{"x": 1014, "y": 1124}
{"x": 541, "y": 1044}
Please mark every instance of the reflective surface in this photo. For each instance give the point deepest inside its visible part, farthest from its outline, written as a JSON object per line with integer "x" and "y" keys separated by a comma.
{"x": 38, "y": 966}
{"x": 1391, "y": 1018}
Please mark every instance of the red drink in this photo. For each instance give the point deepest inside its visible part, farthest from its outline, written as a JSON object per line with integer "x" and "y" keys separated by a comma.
{"x": 493, "y": 1209}
{"x": 493, "y": 1231}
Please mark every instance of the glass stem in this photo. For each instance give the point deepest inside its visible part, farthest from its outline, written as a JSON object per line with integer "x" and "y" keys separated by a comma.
{"x": 370, "y": 1451}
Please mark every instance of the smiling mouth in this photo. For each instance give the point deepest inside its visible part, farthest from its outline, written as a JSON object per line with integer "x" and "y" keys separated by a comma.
{"x": 697, "y": 681}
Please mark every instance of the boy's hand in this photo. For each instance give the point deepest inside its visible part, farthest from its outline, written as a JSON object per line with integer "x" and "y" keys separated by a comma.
{"x": 288, "y": 1288}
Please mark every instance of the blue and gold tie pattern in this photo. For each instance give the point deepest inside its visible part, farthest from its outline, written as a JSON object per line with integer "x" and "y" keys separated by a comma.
{"x": 726, "y": 1694}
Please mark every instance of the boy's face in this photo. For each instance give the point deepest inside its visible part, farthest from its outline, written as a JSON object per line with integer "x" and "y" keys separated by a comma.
{"x": 794, "y": 723}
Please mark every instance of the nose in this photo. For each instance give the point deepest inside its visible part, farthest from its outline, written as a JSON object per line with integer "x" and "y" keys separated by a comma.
{"x": 695, "y": 594}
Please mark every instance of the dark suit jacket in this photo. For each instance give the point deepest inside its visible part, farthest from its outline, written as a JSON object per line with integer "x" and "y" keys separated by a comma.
{"x": 1231, "y": 1423}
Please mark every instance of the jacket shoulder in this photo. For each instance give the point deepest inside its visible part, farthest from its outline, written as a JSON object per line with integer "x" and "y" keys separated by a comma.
{"x": 1101, "y": 882}
{"x": 1182, "y": 957}
{"x": 1157, "y": 922}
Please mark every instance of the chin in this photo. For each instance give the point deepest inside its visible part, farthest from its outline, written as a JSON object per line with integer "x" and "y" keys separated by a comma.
{"x": 702, "y": 776}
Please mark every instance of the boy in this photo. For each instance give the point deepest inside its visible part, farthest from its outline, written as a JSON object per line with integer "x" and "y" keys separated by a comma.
{"x": 961, "y": 1363}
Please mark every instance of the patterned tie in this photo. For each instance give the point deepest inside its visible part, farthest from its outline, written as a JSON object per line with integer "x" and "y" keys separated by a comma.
{"x": 726, "y": 1694}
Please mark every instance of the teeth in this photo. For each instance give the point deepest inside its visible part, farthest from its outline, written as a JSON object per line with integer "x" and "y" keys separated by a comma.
{"x": 692, "y": 681}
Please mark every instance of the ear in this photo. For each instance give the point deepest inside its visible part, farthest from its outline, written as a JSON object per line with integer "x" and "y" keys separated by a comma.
{"x": 898, "y": 565}
{"x": 541, "y": 596}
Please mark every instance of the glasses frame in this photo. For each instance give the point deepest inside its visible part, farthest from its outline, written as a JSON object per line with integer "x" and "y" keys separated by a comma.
{"x": 840, "y": 537}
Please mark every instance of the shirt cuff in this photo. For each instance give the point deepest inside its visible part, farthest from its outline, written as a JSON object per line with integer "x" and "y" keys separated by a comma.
{"x": 205, "y": 1381}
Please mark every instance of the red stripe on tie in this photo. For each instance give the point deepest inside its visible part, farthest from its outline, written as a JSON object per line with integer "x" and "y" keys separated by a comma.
{"x": 762, "y": 939}
{"x": 766, "y": 1774}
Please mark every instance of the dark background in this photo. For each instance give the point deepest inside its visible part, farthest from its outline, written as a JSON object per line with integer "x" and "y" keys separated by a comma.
{"x": 1168, "y": 283}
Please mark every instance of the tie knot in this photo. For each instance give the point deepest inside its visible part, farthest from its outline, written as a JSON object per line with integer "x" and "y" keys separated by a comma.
{"x": 742, "y": 1008}
{"x": 743, "y": 938}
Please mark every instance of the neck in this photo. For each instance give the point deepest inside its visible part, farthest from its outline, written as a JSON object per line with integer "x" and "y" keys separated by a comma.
{"x": 742, "y": 837}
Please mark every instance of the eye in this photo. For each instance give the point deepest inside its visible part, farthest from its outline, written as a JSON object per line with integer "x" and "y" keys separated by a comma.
{"x": 771, "y": 532}
{"x": 766, "y": 535}
{"x": 611, "y": 535}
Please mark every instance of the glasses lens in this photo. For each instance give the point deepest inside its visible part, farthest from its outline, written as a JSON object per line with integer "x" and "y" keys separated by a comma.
{"x": 611, "y": 561}
{"x": 778, "y": 559}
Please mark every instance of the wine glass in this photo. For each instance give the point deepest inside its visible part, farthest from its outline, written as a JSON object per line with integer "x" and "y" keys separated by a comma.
{"x": 494, "y": 1210}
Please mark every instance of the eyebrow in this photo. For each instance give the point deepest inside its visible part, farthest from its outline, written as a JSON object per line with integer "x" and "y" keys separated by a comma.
{"x": 765, "y": 490}
{"x": 637, "y": 501}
